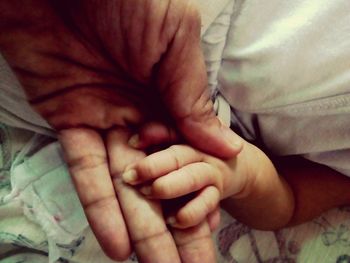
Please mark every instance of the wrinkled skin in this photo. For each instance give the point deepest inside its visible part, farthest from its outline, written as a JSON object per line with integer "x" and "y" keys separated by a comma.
{"x": 95, "y": 70}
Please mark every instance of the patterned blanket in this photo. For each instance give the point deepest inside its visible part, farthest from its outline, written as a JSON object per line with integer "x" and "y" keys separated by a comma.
{"x": 37, "y": 227}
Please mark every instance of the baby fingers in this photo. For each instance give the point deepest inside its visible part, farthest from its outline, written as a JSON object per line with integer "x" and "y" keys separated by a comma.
{"x": 161, "y": 163}
{"x": 196, "y": 210}
{"x": 186, "y": 180}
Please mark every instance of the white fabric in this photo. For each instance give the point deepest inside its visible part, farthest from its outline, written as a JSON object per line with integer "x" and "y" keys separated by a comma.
{"x": 223, "y": 110}
{"x": 209, "y": 11}
{"x": 15, "y": 111}
{"x": 286, "y": 66}
{"x": 40, "y": 211}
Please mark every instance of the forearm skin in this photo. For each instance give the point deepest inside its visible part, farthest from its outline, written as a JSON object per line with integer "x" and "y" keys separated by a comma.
{"x": 299, "y": 192}
{"x": 267, "y": 202}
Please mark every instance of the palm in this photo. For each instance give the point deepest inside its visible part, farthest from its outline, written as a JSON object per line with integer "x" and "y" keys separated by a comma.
{"x": 68, "y": 78}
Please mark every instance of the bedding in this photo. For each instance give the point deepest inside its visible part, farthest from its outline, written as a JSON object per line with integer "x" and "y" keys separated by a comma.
{"x": 41, "y": 218}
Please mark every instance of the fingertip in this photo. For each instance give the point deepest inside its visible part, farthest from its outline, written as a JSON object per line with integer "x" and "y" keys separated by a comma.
{"x": 130, "y": 176}
{"x": 146, "y": 190}
{"x": 186, "y": 218}
{"x": 213, "y": 219}
{"x": 234, "y": 142}
{"x": 107, "y": 223}
{"x": 120, "y": 254}
{"x": 175, "y": 223}
{"x": 180, "y": 216}
{"x": 163, "y": 189}
{"x": 134, "y": 141}
{"x": 171, "y": 220}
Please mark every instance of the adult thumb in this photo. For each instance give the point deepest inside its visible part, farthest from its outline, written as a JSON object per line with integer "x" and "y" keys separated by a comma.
{"x": 206, "y": 132}
{"x": 182, "y": 81}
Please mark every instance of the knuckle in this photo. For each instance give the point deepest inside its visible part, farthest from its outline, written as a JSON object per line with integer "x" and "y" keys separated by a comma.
{"x": 188, "y": 217}
{"x": 198, "y": 174}
{"x": 183, "y": 155}
{"x": 210, "y": 202}
{"x": 86, "y": 162}
{"x": 146, "y": 168}
{"x": 218, "y": 180}
{"x": 175, "y": 153}
{"x": 192, "y": 14}
{"x": 216, "y": 176}
{"x": 104, "y": 202}
{"x": 152, "y": 237}
{"x": 206, "y": 205}
{"x": 161, "y": 189}
{"x": 194, "y": 180}
{"x": 176, "y": 148}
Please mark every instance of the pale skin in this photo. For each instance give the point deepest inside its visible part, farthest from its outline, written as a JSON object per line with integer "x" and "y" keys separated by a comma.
{"x": 248, "y": 185}
{"x": 87, "y": 67}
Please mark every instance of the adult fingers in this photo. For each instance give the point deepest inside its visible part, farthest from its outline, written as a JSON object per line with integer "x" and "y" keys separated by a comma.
{"x": 161, "y": 163}
{"x": 149, "y": 235}
{"x": 195, "y": 244}
{"x": 86, "y": 157}
{"x": 196, "y": 210}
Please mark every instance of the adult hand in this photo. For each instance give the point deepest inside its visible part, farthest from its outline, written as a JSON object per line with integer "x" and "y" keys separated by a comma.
{"x": 126, "y": 44}
{"x": 86, "y": 64}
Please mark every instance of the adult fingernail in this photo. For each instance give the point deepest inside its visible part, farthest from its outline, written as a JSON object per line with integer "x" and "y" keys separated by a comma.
{"x": 232, "y": 138}
{"x": 146, "y": 190}
{"x": 129, "y": 176}
{"x": 134, "y": 141}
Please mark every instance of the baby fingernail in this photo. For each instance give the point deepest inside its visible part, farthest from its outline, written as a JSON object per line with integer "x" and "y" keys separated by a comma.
{"x": 171, "y": 220}
{"x": 134, "y": 141}
{"x": 130, "y": 176}
{"x": 146, "y": 190}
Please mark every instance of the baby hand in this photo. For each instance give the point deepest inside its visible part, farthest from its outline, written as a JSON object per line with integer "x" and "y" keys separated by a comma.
{"x": 181, "y": 170}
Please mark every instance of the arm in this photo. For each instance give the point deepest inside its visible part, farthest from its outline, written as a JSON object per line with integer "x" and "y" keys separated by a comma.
{"x": 316, "y": 187}
{"x": 252, "y": 189}
{"x": 266, "y": 201}
{"x": 302, "y": 192}
{"x": 249, "y": 183}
